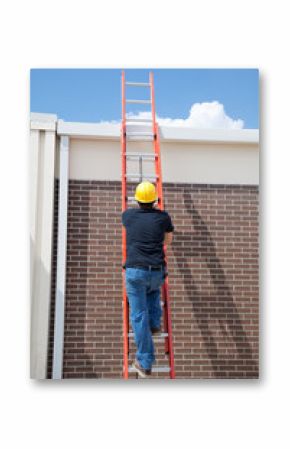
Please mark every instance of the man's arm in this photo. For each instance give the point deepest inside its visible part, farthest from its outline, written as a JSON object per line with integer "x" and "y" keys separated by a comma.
{"x": 124, "y": 217}
{"x": 168, "y": 238}
{"x": 169, "y": 228}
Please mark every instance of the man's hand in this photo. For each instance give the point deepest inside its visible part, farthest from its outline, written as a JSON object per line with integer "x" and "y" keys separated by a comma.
{"x": 168, "y": 238}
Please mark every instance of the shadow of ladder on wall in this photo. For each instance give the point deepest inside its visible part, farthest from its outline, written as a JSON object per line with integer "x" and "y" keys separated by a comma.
{"x": 135, "y": 177}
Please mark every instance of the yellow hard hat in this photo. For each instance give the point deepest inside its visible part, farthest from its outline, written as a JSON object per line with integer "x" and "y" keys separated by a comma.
{"x": 145, "y": 192}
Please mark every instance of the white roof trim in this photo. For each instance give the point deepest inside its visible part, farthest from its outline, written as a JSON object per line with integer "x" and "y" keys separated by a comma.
{"x": 103, "y": 131}
{"x": 41, "y": 121}
{"x": 108, "y": 131}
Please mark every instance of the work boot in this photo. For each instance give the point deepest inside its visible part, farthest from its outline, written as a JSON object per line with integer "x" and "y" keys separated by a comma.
{"x": 144, "y": 373}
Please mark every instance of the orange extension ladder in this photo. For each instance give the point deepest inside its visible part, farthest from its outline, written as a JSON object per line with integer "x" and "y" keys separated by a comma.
{"x": 140, "y": 158}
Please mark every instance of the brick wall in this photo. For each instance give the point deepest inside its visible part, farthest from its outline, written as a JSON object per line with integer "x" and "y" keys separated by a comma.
{"x": 213, "y": 266}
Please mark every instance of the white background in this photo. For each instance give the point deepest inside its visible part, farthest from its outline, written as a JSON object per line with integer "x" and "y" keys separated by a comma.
{"x": 207, "y": 414}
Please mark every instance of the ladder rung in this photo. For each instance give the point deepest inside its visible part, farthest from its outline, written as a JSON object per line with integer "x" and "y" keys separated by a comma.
{"x": 142, "y": 155}
{"x": 138, "y": 176}
{"x": 155, "y": 369}
{"x": 161, "y": 335}
{"x": 128, "y": 119}
{"x": 140, "y": 138}
{"x": 139, "y": 133}
{"x": 139, "y": 101}
{"x": 131, "y": 83}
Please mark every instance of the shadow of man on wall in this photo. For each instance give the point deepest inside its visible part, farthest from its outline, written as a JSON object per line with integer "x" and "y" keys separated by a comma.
{"x": 217, "y": 317}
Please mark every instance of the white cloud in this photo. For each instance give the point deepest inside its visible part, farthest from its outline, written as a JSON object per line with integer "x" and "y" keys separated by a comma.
{"x": 202, "y": 116}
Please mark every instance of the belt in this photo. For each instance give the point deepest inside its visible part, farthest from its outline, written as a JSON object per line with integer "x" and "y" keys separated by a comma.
{"x": 149, "y": 268}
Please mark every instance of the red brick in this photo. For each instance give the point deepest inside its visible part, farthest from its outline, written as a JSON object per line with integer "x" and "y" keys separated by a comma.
{"x": 214, "y": 281}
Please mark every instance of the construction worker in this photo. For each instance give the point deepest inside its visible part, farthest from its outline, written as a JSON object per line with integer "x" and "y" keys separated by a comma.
{"x": 147, "y": 229}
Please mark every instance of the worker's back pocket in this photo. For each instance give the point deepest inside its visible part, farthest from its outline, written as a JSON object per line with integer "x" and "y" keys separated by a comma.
{"x": 135, "y": 276}
{"x": 156, "y": 280}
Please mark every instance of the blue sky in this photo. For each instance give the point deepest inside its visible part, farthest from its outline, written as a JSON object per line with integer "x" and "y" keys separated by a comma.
{"x": 93, "y": 95}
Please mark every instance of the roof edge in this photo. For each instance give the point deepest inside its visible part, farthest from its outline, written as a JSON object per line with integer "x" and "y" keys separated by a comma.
{"x": 111, "y": 131}
{"x": 103, "y": 131}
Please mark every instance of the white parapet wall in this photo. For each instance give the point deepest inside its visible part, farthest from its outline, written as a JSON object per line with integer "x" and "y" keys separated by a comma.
{"x": 188, "y": 156}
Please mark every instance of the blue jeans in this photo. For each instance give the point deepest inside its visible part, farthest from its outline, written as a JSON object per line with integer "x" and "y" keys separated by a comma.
{"x": 143, "y": 291}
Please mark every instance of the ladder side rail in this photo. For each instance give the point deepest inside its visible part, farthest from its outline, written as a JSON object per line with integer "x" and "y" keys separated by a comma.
{"x": 157, "y": 156}
{"x": 124, "y": 205}
{"x": 167, "y": 320}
